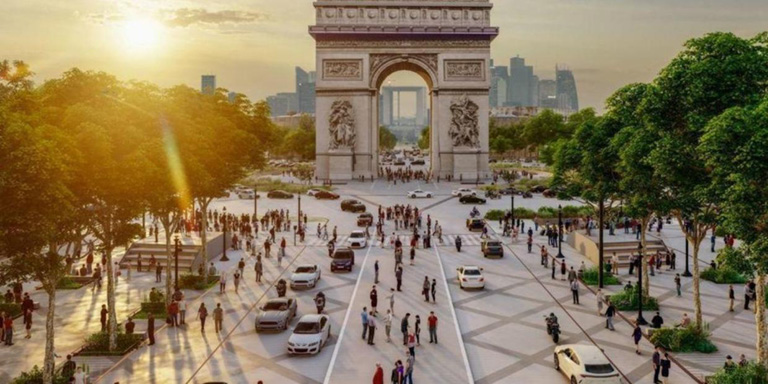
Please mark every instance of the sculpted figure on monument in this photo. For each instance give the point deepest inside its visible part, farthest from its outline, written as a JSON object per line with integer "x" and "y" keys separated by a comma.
{"x": 342, "y": 125}
{"x": 464, "y": 129}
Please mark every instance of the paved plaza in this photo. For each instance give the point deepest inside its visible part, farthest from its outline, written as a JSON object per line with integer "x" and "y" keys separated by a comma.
{"x": 495, "y": 335}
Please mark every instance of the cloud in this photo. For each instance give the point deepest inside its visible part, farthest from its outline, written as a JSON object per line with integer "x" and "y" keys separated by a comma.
{"x": 185, "y": 17}
{"x": 104, "y": 18}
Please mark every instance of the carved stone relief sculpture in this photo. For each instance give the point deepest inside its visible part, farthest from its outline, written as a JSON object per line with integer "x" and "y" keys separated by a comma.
{"x": 464, "y": 70}
{"x": 464, "y": 129}
{"x": 342, "y": 125}
{"x": 342, "y": 69}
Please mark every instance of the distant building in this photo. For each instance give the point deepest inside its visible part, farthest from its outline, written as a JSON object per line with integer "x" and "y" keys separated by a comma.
{"x": 521, "y": 87}
{"x": 517, "y": 86}
{"x": 208, "y": 84}
{"x": 548, "y": 93}
{"x": 301, "y": 101}
{"x": 284, "y": 103}
{"x": 232, "y": 96}
{"x": 499, "y": 85}
{"x": 567, "y": 96}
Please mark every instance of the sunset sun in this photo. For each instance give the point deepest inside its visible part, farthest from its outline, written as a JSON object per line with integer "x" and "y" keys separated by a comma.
{"x": 141, "y": 35}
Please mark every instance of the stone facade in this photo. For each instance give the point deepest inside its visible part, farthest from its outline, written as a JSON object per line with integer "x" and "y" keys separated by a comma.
{"x": 361, "y": 42}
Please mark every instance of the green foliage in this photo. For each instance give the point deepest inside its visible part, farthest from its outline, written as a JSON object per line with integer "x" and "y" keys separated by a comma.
{"x": 35, "y": 376}
{"x": 158, "y": 309}
{"x": 387, "y": 139}
{"x": 735, "y": 259}
{"x": 424, "y": 138}
{"x": 569, "y": 211}
{"x": 12, "y": 309}
{"x": 98, "y": 344}
{"x": 688, "y": 339}
{"x": 752, "y": 373}
{"x": 196, "y": 282}
{"x": 66, "y": 282}
{"x": 723, "y": 275}
{"x": 628, "y": 301}
{"x": 266, "y": 184}
{"x": 590, "y": 277}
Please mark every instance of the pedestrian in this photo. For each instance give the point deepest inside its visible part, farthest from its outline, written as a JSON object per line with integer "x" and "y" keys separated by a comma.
{"x": 364, "y": 320}
{"x": 397, "y": 373}
{"x": 731, "y": 297}
{"x": 609, "y": 313}
{"x": 258, "y": 268}
{"x": 656, "y": 359}
{"x": 666, "y": 364}
{"x": 432, "y": 323}
{"x": 404, "y": 328}
{"x": 374, "y": 296}
{"x": 371, "y": 327}
{"x": 69, "y": 367}
{"x": 553, "y": 269}
{"x": 376, "y": 272}
{"x": 28, "y": 323}
{"x": 600, "y": 298}
{"x": 237, "y": 280}
{"x": 417, "y": 330}
{"x": 223, "y": 282}
{"x": 241, "y": 266}
{"x": 575, "y": 291}
{"x": 173, "y": 313}
{"x": 202, "y": 314}
{"x": 425, "y": 289}
{"x": 657, "y": 321}
{"x": 571, "y": 275}
{"x": 151, "y": 328}
{"x": 378, "y": 375}
{"x": 747, "y": 295}
{"x": 391, "y": 299}
{"x": 408, "y": 377}
{"x": 433, "y": 290}
{"x": 103, "y": 317}
{"x": 79, "y": 377}
{"x": 637, "y": 334}
{"x": 281, "y": 254}
{"x": 677, "y": 284}
{"x": 411, "y": 343}
{"x": 399, "y": 277}
{"x": 563, "y": 270}
{"x": 159, "y": 273}
{"x": 218, "y": 318}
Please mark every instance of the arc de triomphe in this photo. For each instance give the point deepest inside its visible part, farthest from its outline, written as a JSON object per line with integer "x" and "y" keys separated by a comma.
{"x": 361, "y": 42}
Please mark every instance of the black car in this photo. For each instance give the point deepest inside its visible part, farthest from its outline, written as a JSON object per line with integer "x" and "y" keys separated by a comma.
{"x": 418, "y": 162}
{"x": 278, "y": 194}
{"x": 509, "y": 191}
{"x": 364, "y": 220}
{"x": 538, "y": 189}
{"x": 399, "y": 162}
{"x": 352, "y": 205}
{"x": 326, "y": 195}
{"x": 493, "y": 248}
{"x": 475, "y": 225}
{"x": 527, "y": 195}
{"x": 343, "y": 258}
{"x": 470, "y": 199}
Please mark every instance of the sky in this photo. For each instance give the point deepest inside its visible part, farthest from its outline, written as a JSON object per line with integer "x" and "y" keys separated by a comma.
{"x": 252, "y": 46}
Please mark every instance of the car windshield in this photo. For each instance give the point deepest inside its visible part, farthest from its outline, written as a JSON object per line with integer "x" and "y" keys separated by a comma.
{"x": 305, "y": 269}
{"x": 342, "y": 255}
{"x": 472, "y": 272}
{"x": 494, "y": 244}
{"x": 275, "y": 306}
{"x": 598, "y": 368}
{"x": 307, "y": 328}
{"x": 357, "y": 235}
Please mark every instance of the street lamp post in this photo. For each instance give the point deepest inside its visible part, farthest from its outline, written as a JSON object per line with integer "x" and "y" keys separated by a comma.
{"x": 224, "y": 243}
{"x": 512, "y": 211}
{"x": 640, "y": 319}
{"x": 176, "y": 257}
{"x": 560, "y": 232}
{"x": 687, "y": 227}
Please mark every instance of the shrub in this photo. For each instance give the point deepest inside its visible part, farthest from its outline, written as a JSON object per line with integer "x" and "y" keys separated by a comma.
{"x": 752, "y": 373}
{"x": 520, "y": 213}
{"x": 590, "y": 277}
{"x": 688, "y": 339}
{"x": 12, "y": 309}
{"x": 736, "y": 260}
{"x": 66, "y": 282}
{"x": 626, "y": 300}
{"x": 35, "y": 376}
{"x": 495, "y": 214}
{"x": 723, "y": 275}
{"x": 98, "y": 344}
{"x": 196, "y": 282}
{"x": 265, "y": 184}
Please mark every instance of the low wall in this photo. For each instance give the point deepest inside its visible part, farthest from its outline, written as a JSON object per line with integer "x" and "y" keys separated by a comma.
{"x": 584, "y": 245}
{"x": 214, "y": 247}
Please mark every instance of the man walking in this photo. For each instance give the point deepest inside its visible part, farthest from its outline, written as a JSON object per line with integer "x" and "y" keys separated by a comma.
{"x": 218, "y": 318}
{"x": 731, "y": 297}
{"x": 371, "y": 328}
{"x": 376, "y": 272}
{"x": 609, "y": 313}
{"x": 159, "y": 273}
{"x": 408, "y": 377}
{"x": 404, "y": 328}
{"x": 433, "y": 290}
{"x": 388, "y": 325}
{"x": 677, "y": 284}
{"x": 399, "y": 277}
{"x": 575, "y": 290}
{"x": 391, "y": 298}
{"x": 374, "y": 300}
{"x": 259, "y": 269}
{"x": 151, "y": 328}
{"x": 656, "y": 364}
{"x": 364, "y": 320}
{"x": 432, "y": 323}
{"x": 103, "y": 317}
{"x": 425, "y": 289}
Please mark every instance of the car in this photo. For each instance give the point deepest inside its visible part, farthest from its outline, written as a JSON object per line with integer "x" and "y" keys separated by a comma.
{"x": 343, "y": 258}
{"x": 325, "y": 195}
{"x": 305, "y": 276}
{"x": 357, "y": 239}
{"x": 463, "y": 192}
{"x": 278, "y": 194}
{"x": 419, "y": 194}
{"x": 475, "y": 224}
{"x": 492, "y": 248}
{"x": 310, "y": 335}
{"x": 276, "y": 314}
{"x": 585, "y": 364}
{"x": 549, "y": 193}
{"x": 352, "y": 205}
{"x": 509, "y": 191}
{"x": 538, "y": 189}
{"x": 365, "y": 219}
{"x": 470, "y": 276}
{"x": 399, "y": 162}
{"x": 246, "y": 194}
{"x": 527, "y": 195}
{"x": 313, "y": 191}
{"x": 471, "y": 199}
{"x": 418, "y": 162}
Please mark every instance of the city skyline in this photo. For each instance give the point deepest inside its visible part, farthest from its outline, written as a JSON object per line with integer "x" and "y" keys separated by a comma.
{"x": 263, "y": 41}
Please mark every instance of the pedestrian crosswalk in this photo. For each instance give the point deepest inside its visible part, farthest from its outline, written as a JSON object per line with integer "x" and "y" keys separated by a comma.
{"x": 467, "y": 240}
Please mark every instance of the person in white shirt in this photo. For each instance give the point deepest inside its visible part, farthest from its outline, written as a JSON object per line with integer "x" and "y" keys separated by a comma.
{"x": 388, "y": 324}
{"x": 80, "y": 376}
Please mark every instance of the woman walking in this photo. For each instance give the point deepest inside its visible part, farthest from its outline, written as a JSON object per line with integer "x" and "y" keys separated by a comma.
{"x": 28, "y": 323}
{"x": 563, "y": 270}
{"x": 237, "y": 281}
{"x": 665, "y": 366}
{"x": 202, "y": 313}
{"x": 417, "y": 330}
{"x": 637, "y": 334}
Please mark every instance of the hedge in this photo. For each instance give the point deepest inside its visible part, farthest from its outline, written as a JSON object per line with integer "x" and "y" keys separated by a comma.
{"x": 752, "y": 373}
{"x": 66, "y": 282}
{"x": 688, "y": 339}
{"x": 723, "y": 275}
{"x": 590, "y": 277}
{"x": 569, "y": 211}
{"x": 196, "y": 282}
{"x": 35, "y": 376}
{"x": 627, "y": 301}
{"x": 12, "y": 309}
{"x": 98, "y": 344}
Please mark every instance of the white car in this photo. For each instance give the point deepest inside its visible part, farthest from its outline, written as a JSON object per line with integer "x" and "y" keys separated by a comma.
{"x": 357, "y": 239}
{"x": 585, "y": 364}
{"x": 470, "y": 276}
{"x": 464, "y": 192}
{"x": 305, "y": 276}
{"x": 246, "y": 194}
{"x": 312, "y": 191}
{"x": 310, "y": 335}
{"x": 419, "y": 194}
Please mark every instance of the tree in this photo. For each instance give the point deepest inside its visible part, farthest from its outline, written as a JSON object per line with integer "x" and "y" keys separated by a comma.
{"x": 387, "y": 139}
{"x": 424, "y": 138}
{"x": 712, "y": 74}
{"x": 735, "y": 146}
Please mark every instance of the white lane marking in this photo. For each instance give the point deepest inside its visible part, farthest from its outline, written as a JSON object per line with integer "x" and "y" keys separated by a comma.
{"x": 346, "y": 319}
{"x": 470, "y": 378}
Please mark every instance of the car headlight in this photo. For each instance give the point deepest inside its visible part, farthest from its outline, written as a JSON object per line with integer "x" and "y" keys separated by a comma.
{"x": 291, "y": 344}
{"x": 312, "y": 344}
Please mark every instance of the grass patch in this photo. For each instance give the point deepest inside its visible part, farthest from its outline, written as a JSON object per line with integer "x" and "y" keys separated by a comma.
{"x": 688, "y": 339}
{"x": 590, "y": 277}
{"x": 627, "y": 300}
{"x": 196, "y": 282}
{"x": 752, "y": 373}
{"x": 35, "y": 376}
{"x": 723, "y": 275}
{"x": 67, "y": 282}
{"x": 98, "y": 344}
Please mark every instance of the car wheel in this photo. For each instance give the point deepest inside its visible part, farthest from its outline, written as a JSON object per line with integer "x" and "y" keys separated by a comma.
{"x": 557, "y": 363}
{"x": 429, "y": 196}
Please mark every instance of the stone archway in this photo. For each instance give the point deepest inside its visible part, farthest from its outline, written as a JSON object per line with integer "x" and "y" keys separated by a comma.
{"x": 361, "y": 42}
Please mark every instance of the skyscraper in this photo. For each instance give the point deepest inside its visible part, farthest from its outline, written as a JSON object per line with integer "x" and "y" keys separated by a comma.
{"x": 567, "y": 96}
{"x": 520, "y": 87}
{"x": 208, "y": 84}
{"x": 305, "y": 90}
{"x": 499, "y": 85}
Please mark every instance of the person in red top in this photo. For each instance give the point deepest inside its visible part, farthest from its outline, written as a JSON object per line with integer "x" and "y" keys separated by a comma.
{"x": 432, "y": 321}
{"x": 378, "y": 377}
{"x": 8, "y": 327}
{"x": 173, "y": 312}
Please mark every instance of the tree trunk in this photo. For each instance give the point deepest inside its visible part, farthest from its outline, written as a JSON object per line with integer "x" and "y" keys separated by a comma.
{"x": 696, "y": 282}
{"x": 112, "y": 319}
{"x": 762, "y": 338}
{"x": 644, "y": 260}
{"x": 49, "y": 364}
{"x": 204, "y": 236}
{"x": 168, "y": 256}
{"x": 601, "y": 257}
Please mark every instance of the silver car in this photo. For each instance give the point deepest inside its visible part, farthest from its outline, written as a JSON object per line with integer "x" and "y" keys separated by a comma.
{"x": 276, "y": 314}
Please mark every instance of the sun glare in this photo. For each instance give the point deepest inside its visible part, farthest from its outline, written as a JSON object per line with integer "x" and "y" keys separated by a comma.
{"x": 141, "y": 35}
